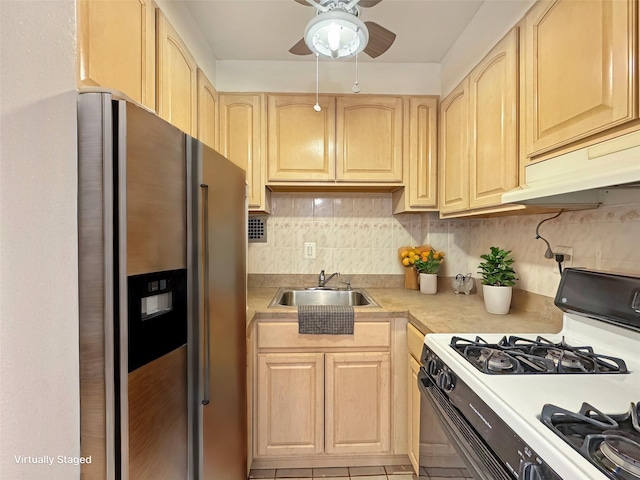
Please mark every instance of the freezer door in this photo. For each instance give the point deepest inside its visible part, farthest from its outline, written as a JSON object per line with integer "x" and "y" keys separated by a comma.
{"x": 219, "y": 251}
{"x": 131, "y": 220}
{"x": 156, "y": 197}
{"x": 154, "y": 203}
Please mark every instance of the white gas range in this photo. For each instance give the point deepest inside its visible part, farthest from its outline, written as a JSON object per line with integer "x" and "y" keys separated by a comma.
{"x": 490, "y": 391}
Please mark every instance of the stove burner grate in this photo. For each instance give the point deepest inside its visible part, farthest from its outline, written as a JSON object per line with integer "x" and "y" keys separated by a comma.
{"x": 610, "y": 442}
{"x": 520, "y": 355}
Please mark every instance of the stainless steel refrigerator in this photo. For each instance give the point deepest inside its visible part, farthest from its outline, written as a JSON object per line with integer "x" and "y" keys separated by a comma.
{"x": 162, "y": 289}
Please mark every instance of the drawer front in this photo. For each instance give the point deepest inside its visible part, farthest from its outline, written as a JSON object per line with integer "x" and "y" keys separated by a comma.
{"x": 415, "y": 341}
{"x": 285, "y": 335}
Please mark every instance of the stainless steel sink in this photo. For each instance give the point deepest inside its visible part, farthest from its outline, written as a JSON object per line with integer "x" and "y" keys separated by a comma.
{"x": 293, "y": 297}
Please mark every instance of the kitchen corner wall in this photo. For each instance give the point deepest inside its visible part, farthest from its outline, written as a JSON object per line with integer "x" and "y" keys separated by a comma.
{"x": 39, "y": 359}
{"x": 358, "y": 234}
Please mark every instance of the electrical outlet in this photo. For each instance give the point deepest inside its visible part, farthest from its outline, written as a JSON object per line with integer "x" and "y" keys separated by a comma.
{"x": 568, "y": 257}
{"x": 310, "y": 250}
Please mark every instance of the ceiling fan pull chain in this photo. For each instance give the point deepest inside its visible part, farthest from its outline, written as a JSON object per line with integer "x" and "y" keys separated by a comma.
{"x": 316, "y": 107}
{"x": 356, "y": 86}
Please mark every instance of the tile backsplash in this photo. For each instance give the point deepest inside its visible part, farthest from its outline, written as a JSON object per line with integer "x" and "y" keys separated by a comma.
{"x": 358, "y": 234}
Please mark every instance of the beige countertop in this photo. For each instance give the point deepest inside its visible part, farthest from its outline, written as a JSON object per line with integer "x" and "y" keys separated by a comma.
{"x": 443, "y": 312}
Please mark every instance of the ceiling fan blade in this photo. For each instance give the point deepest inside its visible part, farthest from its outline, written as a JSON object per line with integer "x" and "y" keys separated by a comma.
{"x": 367, "y": 3}
{"x": 300, "y": 48}
{"x": 380, "y": 39}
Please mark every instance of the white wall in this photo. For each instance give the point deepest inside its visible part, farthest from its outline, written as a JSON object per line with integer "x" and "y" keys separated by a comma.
{"x": 490, "y": 23}
{"x": 336, "y": 76}
{"x": 39, "y": 393}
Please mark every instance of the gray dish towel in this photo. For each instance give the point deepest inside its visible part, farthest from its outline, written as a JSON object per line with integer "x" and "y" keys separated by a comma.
{"x": 325, "y": 319}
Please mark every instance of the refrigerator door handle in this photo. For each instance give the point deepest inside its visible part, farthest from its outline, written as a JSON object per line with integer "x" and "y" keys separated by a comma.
{"x": 207, "y": 317}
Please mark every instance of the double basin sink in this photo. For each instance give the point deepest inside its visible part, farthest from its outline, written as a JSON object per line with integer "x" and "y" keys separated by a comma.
{"x": 293, "y": 297}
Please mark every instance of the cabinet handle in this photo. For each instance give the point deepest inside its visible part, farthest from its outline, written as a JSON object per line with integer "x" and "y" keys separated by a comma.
{"x": 205, "y": 285}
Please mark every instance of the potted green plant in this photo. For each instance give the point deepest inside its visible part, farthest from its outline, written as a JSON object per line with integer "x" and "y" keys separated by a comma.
{"x": 427, "y": 265}
{"x": 498, "y": 279}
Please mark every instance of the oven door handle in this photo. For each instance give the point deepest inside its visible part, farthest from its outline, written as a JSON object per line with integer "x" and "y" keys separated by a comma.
{"x": 422, "y": 376}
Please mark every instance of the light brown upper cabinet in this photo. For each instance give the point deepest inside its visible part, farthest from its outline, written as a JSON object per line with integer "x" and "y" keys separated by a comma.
{"x": 352, "y": 139}
{"x": 207, "y": 111}
{"x": 301, "y": 141}
{"x": 420, "y": 157}
{"x": 579, "y": 70}
{"x": 478, "y": 134}
{"x": 369, "y": 138}
{"x": 493, "y": 145}
{"x": 453, "y": 163}
{"x": 242, "y": 134}
{"x": 177, "y": 79}
{"x": 116, "y": 47}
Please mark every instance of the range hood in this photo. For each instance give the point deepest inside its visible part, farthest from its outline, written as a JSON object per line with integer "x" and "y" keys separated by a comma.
{"x": 581, "y": 179}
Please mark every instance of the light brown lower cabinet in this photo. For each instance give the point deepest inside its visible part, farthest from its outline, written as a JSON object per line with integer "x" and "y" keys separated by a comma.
{"x": 315, "y": 403}
{"x": 357, "y": 398}
{"x": 290, "y": 409}
{"x": 413, "y": 409}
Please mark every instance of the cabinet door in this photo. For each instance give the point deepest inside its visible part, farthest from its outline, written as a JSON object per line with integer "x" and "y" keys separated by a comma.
{"x": 579, "y": 76}
{"x": 357, "y": 403}
{"x": 207, "y": 111}
{"x": 422, "y": 151}
{"x": 116, "y": 46}
{"x": 413, "y": 409}
{"x": 369, "y": 139}
{"x": 241, "y": 137}
{"x": 453, "y": 164}
{"x": 290, "y": 419}
{"x": 301, "y": 141}
{"x": 493, "y": 115}
{"x": 177, "y": 79}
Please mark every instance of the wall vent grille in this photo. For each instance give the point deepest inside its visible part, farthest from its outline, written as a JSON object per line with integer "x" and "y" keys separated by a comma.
{"x": 257, "y": 229}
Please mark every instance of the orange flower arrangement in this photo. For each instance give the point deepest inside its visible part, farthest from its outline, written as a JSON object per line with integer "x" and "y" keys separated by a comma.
{"x": 424, "y": 261}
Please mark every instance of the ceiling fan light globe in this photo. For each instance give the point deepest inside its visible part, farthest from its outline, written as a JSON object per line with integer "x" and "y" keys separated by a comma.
{"x": 333, "y": 37}
{"x": 336, "y": 34}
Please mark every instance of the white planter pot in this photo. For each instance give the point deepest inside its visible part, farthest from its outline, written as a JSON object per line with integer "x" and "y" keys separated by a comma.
{"x": 497, "y": 299}
{"x": 429, "y": 283}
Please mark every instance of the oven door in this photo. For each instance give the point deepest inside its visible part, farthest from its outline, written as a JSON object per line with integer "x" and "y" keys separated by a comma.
{"x": 479, "y": 459}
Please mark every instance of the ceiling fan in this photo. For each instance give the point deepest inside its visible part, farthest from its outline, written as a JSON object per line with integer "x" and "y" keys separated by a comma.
{"x": 336, "y": 31}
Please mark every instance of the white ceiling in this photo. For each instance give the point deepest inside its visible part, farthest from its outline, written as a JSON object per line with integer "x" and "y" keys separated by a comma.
{"x": 266, "y": 29}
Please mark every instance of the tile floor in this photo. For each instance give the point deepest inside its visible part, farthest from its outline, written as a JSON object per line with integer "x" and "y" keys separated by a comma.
{"x": 395, "y": 472}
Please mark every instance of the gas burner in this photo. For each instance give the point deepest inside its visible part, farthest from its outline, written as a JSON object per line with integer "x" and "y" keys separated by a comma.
{"x": 610, "y": 442}
{"x": 496, "y": 360}
{"x": 491, "y": 360}
{"x": 579, "y": 360}
{"x": 565, "y": 359}
{"x": 622, "y": 452}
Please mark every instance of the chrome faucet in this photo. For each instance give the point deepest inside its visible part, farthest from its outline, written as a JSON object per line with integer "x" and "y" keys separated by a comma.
{"x": 322, "y": 280}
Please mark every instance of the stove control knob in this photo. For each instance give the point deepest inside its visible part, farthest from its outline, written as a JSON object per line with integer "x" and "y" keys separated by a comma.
{"x": 531, "y": 471}
{"x": 432, "y": 367}
{"x": 446, "y": 381}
